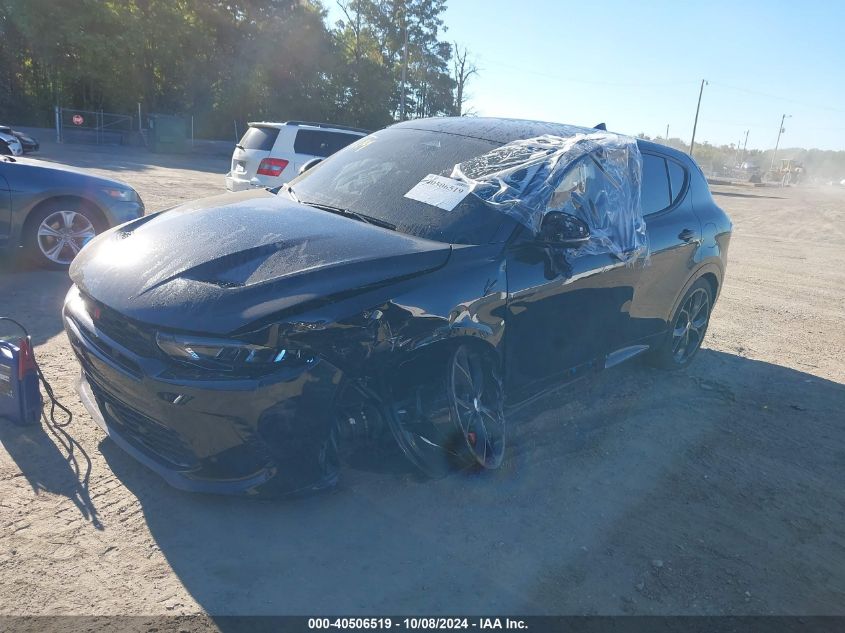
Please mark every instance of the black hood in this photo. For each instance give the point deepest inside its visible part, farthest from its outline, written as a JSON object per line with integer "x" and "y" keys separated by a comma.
{"x": 219, "y": 264}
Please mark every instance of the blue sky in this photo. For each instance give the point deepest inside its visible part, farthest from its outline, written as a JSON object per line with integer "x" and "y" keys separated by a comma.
{"x": 638, "y": 64}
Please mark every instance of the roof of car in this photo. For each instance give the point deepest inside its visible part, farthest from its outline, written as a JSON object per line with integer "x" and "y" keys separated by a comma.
{"x": 506, "y": 130}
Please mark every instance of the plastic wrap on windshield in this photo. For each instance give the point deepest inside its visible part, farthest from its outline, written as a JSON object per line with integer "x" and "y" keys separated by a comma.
{"x": 592, "y": 175}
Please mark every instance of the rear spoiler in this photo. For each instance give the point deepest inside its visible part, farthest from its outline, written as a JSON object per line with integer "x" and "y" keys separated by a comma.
{"x": 329, "y": 125}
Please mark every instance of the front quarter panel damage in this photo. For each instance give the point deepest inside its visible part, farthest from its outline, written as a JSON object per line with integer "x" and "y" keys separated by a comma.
{"x": 391, "y": 343}
{"x": 374, "y": 331}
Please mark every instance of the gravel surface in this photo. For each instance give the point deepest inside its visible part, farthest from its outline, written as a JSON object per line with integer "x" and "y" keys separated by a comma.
{"x": 717, "y": 490}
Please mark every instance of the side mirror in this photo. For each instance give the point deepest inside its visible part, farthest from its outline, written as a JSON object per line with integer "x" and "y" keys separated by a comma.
{"x": 306, "y": 166}
{"x": 564, "y": 230}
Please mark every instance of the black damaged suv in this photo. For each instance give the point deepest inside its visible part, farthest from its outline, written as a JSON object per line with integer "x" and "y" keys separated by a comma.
{"x": 419, "y": 282}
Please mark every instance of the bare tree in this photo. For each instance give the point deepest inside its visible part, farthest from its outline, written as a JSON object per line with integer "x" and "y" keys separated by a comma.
{"x": 463, "y": 68}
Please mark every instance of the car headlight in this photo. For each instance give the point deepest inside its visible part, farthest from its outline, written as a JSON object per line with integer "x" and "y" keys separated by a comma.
{"x": 228, "y": 354}
{"x": 124, "y": 195}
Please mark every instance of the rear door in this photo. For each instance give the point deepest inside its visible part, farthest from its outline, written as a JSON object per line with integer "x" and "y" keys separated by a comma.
{"x": 674, "y": 235}
{"x": 255, "y": 145}
{"x": 315, "y": 143}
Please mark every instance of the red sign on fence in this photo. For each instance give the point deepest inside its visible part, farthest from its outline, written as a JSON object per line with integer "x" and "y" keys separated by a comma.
{"x": 77, "y": 119}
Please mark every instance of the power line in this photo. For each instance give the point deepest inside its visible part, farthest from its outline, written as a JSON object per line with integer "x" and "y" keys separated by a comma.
{"x": 579, "y": 80}
{"x": 771, "y": 96}
{"x": 757, "y": 123}
{"x": 654, "y": 84}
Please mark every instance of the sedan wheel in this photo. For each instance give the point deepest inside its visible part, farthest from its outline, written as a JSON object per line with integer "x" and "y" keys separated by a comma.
{"x": 57, "y": 231}
{"x": 61, "y": 235}
{"x": 475, "y": 394}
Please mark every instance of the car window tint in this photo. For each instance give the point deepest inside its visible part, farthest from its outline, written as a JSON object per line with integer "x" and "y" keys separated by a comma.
{"x": 261, "y": 138}
{"x": 677, "y": 175}
{"x": 655, "y": 187}
{"x": 320, "y": 143}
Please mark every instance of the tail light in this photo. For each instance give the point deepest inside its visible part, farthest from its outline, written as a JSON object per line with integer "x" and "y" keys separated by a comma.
{"x": 272, "y": 166}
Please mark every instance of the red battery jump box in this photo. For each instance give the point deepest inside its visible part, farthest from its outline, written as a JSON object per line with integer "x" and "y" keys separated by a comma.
{"x": 20, "y": 397}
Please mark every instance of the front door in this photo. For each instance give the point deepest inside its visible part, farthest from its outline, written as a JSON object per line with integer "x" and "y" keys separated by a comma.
{"x": 564, "y": 313}
{"x": 567, "y": 309}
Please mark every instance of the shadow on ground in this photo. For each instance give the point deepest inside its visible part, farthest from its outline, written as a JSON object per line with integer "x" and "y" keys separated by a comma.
{"x": 52, "y": 460}
{"x": 37, "y": 295}
{"x": 716, "y": 490}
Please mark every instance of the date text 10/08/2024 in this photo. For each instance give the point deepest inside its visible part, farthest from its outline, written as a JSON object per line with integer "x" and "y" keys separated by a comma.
{"x": 421, "y": 623}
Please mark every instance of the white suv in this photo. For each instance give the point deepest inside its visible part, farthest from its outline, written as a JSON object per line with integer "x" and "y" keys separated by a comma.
{"x": 270, "y": 154}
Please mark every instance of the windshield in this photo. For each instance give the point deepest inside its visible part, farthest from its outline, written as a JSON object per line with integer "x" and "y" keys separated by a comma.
{"x": 372, "y": 176}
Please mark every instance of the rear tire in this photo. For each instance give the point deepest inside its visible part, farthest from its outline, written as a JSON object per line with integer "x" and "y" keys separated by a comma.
{"x": 687, "y": 328}
{"x": 57, "y": 230}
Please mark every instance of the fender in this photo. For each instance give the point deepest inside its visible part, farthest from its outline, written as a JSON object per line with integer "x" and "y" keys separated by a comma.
{"x": 712, "y": 267}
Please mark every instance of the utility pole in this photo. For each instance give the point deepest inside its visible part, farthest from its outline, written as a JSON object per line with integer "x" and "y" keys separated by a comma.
{"x": 704, "y": 82}
{"x": 777, "y": 143}
{"x": 744, "y": 147}
{"x": 667, "y": 133}
{"x": 404, "y": 66}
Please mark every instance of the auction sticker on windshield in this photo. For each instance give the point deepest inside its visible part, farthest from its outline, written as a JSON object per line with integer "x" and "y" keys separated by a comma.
{"x": 439, "y": 191}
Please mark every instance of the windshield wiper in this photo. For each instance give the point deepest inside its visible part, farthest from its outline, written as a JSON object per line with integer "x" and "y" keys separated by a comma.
{"x": 350, "y": 214}
{"x": 336, "y": 210}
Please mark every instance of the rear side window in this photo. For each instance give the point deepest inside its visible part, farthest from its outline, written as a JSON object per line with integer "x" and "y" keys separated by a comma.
{"x": 320, "y": 143}
{"x": 261, "y": 138}
{"x": 677, "y": 176}
{"x": 655, "y": 188}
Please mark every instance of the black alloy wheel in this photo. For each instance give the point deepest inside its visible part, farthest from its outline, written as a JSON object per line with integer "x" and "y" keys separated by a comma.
{"x": 475, "y": 395}
{"x": 689, "y": 325}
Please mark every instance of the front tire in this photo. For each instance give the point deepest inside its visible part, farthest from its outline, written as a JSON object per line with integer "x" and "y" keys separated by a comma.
{"x": 687, "y": 330}
{"x": 445, "y": 410}
{"x": 58, "y": 230}
{"x": 475, "y": 397}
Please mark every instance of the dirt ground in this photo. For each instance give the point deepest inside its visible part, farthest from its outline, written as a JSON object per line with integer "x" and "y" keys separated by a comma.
{"x": 717, "y": 490}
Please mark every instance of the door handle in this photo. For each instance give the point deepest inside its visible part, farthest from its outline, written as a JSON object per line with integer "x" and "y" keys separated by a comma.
{"x": 687, "y": 235}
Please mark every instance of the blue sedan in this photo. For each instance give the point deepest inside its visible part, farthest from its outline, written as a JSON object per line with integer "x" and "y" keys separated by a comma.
{"x": 51, "y": 211}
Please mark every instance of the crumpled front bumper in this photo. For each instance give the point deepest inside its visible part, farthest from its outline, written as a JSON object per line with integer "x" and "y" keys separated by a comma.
{"x": 268, "y": 435}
